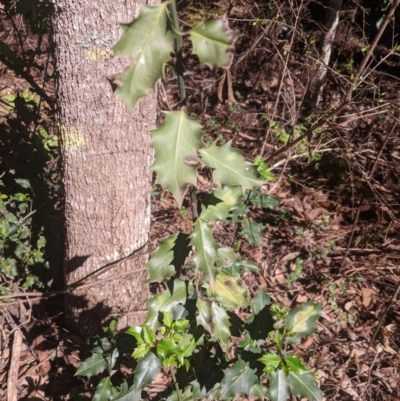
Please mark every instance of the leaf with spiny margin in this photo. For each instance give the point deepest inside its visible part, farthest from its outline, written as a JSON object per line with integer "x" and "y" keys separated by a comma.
{"x": 166, "y": 301}
{"x": 92, "y": 366}
{"x": 105, "y": 391}
{"x": 229, "y": 293}
{"x": 241, "y": 265}
{"x": 147, "y": 41}
{"x": 229, "y": 166}
{"x": 252, "y": 231}
{"x": 220, "y": 211}
{"x": 295, "y": 364}
{"x": 303, "y": 385}
{"x": 211, "y": 40}
{"x": 260, "y": 301}
{"x": 176, "y": 140}
{"x": 265, "y": 201}
{"x": 128, "y": 393}
{"x": 238, "y": 380}
{"x": 146, "y": 370}
{"x": 204, "y": 316}
{"x": 159, "y": 265}
{"x": 278, "y": 386}
{"x": 205, "y": 255}
{"x": 220, "y": 325}
{"x": 301, "y": 322}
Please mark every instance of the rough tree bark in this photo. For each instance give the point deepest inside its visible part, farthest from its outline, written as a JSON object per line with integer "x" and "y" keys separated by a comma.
{"x": 105, "y": 154}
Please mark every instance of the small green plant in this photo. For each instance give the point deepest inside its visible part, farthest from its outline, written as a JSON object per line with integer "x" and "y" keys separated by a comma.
{"x": 192, "y": 325}
{"x": 296, "y": 273}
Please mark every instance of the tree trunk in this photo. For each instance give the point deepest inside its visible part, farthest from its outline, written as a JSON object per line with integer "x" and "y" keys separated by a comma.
{"x": 106, "y": 155}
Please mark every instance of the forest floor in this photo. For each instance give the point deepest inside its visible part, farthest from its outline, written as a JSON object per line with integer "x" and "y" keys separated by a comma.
{"x": 332, "y": 231}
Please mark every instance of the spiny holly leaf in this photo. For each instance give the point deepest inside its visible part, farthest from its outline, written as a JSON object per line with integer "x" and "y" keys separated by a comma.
{"x": 278, "y": 386}
{"x": 92, "y": 366}
{"x": 271, "y": 362}
{"x": 204, "y": 316}
{"x": 175, "y": 143}
{"x": 220, "y": 211}
{"x": 241, "y": 265}
{"x": 146, "y": 370}
{"x": 159, "y": 264}
{"x": 295, "y": 364}
{"x": 260, "y": 301}
{"x": 301, "y": 322}
{"x": 211, "y": 41}
{"x": 303, "y": 385}
{"x": 128, "y": 393}
{"x": 229, "y": 293}
{"x": 238, "y": 380}
{"x": 260, "y": 325}
{"x": 220, "y": 325}
{"x": 166, "y": 301}
{"x": 265, "y": 201}
{"x": 226, "y": 257}
{"x": 148, "y": 42}
{"x": 206, "y": 247}
{"x": 105, "y": 391}
{"x": 252, "y": 231}
{"x": 229, "y": 166}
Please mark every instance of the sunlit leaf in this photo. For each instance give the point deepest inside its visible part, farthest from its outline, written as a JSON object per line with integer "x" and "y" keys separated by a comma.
{"x": 211, "y": 40}
{"x": 303, "y": 385}
{"x": 229, "y": 293}
{"x": 238, "y": 380}
{"x": 176, "y": 140}
{"x": 271, "y": 362}
{"x": 148, "y": 42}
{"x": 229, "y": 166}
{"x": 301, "y": 322}
{"x": 220, "y": 211}
{"x": 220, "y": 325}
{"x": 205, "y": 255}
{"x": 166, "y": 301}
{"x": 278, "y": 386}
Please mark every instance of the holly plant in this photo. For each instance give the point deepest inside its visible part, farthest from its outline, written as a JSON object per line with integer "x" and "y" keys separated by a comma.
{"x": 204, "y": 330}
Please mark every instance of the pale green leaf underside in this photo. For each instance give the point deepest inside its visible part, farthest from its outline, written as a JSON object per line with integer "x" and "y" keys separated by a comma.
{"x": 148, "y": 42}
{"x": 303, "y": 385}
{"x": 176, "y": 140}
{"x": 211, "y": 42}
{"x": 279, "y": 386}
{"x": 229, "y": 166}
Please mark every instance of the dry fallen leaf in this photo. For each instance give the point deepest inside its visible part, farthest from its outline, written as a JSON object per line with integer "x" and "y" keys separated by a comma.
{"x": 368, "y": 297}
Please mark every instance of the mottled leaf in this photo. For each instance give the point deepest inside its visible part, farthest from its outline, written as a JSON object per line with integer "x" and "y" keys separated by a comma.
{"x": 301, "y": 322}
{"x": 229, "y": 293}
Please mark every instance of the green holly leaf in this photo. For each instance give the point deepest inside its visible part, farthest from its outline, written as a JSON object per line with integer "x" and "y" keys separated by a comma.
{"x": 257, "y": 198}
{"x": 148, "y": 42}
{"x": 295, "y": 364}
{"x": 278, "y": 386}
{"x": 205, "y": 255}
{"x": 229, "y": 166}
{"x": 175, "y": 144}
{"x": 204, "y": 316}
{"x": 166, "y": 301}
{"x": 105, "y": 390}
{"x": 271, "y": 362}
{"x": 215, "y": 320}
{"x": 220, "y": 211}
{"x": 160, "y": 266}
{"x": 229, "y": 293}
{"x": 146, "y": 370}
{"x": 128, "y": 393}
{"x": 252, "y": 231}
{"x": 260, "y": 301}
{"x": 303, "y": 385}
{"x": 301, "y": 322}
{"x": 238, "y": 380}
{"x": 242, "y": 265}
{"x": 211, "y": 40}
{"x": 92, "y": 366}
